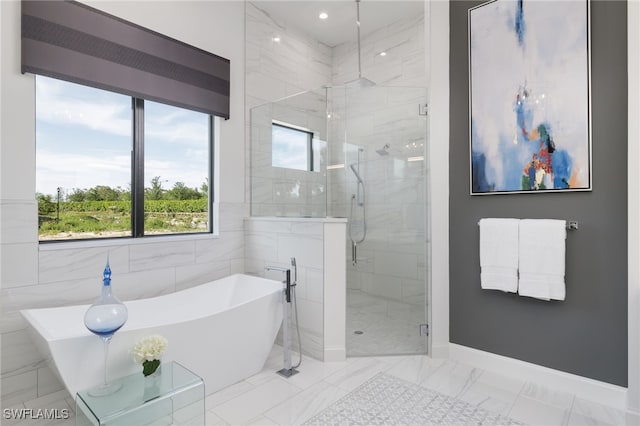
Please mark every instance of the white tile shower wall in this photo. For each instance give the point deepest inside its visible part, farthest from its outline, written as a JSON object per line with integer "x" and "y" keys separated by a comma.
{"x": 275, "y": 70}
{"x": 275, "y": 242}
{"x": 391, "y": 259}
{"x": 73, "y": 276}
{"x": 403, "y": 64}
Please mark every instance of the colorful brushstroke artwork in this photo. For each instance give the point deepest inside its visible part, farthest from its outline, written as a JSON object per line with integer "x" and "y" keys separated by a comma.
{"x": 529, "y": 96}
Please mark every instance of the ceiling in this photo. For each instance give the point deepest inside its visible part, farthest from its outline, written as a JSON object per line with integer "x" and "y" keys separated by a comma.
{"x": 340, "y": 26}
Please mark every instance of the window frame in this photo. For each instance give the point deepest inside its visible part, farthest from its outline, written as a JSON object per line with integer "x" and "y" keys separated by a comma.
{"x": 310, "y": 137}
{"x": 137, "y": 181}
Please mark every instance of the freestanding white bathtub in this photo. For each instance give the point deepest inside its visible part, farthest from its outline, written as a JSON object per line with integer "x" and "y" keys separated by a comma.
{"x": 222, "y": 330}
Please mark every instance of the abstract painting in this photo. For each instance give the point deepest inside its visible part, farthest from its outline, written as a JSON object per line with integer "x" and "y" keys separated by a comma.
{"x": 529, "y": 96}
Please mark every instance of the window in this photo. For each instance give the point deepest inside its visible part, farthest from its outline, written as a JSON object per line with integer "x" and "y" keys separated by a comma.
{"x": 111, "y": 166}
{"x": 291, "y": 147}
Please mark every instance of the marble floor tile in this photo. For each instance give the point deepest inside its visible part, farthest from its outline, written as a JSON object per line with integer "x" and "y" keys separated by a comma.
{"x": 549, "y": 396}
{"x": 356, "y": 373}
{"x": 536, "y": 412}
{"x": 384, "y": 326}
{"x": 489, "y": 397}
{"x": 493, "y": 392}
{"x": 415, "y": 368}
{"x": 452, "y": 378}
{"x": 262, "y": 421}
{"x": 251, "y": 404}
{"x": 576, "y": 419}
{"x": 224, "y": 395}
{"x": 311, "y": 371}
{"x": 601, "y": 413}
{"x": 268, "y": 399}
{"x": 212, "y": 420}
{"x": 298, "y": 409}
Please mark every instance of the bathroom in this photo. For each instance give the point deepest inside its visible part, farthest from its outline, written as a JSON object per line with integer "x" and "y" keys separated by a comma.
{"x": 40, "y": 275}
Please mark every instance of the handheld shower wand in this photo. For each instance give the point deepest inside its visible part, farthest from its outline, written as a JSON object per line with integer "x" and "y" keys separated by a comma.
{"x": 360, "y": 182}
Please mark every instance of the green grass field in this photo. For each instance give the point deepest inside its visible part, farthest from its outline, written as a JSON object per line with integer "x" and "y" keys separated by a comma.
{"x": 101, "y": 219}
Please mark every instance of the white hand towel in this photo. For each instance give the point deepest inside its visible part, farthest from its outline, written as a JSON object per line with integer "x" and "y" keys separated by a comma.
{"x": 542, "y": 258}
{"x": 499, "y": 254}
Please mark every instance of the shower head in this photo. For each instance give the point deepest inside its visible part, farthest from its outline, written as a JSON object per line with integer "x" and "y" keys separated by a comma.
{"x": 359, "y": 83}
{"x": 384, "y": 150}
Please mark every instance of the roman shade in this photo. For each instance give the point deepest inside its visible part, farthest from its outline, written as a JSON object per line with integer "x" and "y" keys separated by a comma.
{"x": 74, "y": 42}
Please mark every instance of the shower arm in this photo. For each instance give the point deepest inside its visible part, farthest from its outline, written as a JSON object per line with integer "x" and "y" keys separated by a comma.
{"x": 358, "y": 26}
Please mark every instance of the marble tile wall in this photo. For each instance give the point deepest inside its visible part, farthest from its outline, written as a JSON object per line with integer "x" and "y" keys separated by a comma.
{"x": 277, "y": 191}
{"x": 395, "y": 187}
{"x": 392, "y": 257}
{"x": 275, "y": 70}
{"x": 404, "y": 62}
{"x": 65, "y": 276}
{"x": 274, "y": 242}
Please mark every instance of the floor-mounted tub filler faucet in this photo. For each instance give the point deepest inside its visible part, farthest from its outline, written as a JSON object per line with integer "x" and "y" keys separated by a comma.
{"x": 290, "y": 289}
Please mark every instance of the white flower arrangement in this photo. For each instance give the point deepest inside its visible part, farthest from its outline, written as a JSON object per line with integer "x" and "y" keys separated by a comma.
{"x": 148, "y": 352}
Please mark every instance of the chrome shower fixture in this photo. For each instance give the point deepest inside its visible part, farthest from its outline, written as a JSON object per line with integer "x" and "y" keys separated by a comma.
{"x": 353, "y": 169}
{"x": 384, "y": 150}
{"x": 361, "y": 82}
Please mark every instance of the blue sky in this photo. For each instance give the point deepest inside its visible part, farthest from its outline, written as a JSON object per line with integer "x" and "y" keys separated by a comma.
{"x": 83, "y": 139}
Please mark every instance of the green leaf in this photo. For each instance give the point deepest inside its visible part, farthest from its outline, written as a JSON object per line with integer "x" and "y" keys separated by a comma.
{"x": 149, "y": 367}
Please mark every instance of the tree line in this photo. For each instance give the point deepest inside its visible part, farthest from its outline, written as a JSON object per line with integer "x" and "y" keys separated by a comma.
{"x": 179, "y": 191}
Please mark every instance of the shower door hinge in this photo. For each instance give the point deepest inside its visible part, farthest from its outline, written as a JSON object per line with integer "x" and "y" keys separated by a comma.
{"x": 423, "y": 109}
{"x": 424, "y": 329}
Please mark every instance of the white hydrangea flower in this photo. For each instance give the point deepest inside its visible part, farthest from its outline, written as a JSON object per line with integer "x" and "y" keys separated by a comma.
{"x": 149, "y": 348}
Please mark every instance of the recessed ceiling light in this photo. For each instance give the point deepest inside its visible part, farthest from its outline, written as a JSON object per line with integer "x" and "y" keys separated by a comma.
{"x": 323, "y": 15}
{"x": 383, "y": 53}
{"x": 276, "y": 39}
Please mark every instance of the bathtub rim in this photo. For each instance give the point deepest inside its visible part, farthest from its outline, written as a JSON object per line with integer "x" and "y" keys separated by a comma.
{"x": 33, "y": 316}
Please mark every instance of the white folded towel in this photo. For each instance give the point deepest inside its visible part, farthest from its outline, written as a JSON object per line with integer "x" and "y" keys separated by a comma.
{"x": 542, "y": 258}
{"x": 499, "y": 254}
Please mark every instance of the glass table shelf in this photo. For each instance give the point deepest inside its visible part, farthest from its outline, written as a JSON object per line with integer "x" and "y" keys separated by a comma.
{"x": 173, "y": 396}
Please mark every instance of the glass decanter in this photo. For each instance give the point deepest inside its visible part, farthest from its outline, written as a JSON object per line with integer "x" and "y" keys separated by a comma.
{"x": 104, "y": 318}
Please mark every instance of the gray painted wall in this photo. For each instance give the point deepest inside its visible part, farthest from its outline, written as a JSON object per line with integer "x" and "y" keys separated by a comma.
{"x": 587, "y": 333}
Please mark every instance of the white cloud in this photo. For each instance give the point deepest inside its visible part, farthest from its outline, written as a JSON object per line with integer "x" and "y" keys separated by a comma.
{"x": 85, "y": 113}
{"x": 70, "y": 171}
{"x": 68, "y": 104}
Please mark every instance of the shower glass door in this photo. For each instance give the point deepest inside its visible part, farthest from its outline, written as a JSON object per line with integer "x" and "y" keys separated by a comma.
{"x": 377, "y": 179}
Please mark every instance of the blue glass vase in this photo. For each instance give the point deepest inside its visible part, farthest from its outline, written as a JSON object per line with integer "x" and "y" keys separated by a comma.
{"x": 106, "y": 316}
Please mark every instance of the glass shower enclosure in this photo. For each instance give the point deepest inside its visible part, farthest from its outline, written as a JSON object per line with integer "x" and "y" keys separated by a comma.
{"x": 356, "y": 151}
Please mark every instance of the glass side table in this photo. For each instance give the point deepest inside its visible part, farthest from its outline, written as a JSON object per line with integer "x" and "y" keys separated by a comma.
{"x": 173, "y": 396}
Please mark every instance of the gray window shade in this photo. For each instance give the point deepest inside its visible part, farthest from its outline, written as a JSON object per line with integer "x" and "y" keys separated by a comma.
{"x": 74, "y": 42}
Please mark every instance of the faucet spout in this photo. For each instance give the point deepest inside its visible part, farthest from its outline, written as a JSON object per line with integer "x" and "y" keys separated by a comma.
{"x": 287, "y": 280}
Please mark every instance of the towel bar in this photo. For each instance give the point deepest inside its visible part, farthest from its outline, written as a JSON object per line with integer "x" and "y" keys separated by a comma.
{"x": 572, "y": 225}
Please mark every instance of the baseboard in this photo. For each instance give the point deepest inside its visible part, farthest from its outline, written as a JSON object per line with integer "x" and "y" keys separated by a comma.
{"x": 440, "y": 351}
{"x": 335, "y": 354}
{"x": 583, "y": 387}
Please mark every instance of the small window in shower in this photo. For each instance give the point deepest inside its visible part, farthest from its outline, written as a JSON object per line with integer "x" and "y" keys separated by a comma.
{"x": 291, "y": 147}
